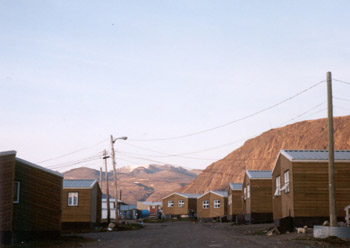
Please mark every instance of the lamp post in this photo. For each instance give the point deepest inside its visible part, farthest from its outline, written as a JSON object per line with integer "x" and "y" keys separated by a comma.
{"x": 115, "y": 175}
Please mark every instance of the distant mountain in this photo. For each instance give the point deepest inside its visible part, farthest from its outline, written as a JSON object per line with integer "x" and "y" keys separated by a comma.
{"x": 140, "y": 183}
{"x": 260, "y": 153}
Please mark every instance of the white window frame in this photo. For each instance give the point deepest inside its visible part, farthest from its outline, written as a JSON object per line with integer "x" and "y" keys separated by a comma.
{"x": 286, "y": 181}
{"x": 181, "y": 203}
{"x": 71, "y": 195}
{"x": 18, "y": 191}
{"x": 205, "y": 204}
{"x": 248, "y": 191}
{"x": 229, "y": 199}
{"x": 278, "y": 186}
{"x": 217, "y": 204}
{"x": 170, "y": 204}
{"x": 245, "y": 193}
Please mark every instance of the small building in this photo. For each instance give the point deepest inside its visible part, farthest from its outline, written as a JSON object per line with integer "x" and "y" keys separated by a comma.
{"x": 81, "y": 204}
{"x": 128, "y": 212}
{"x": 153, "y": 208}
{"x": 212, "y": 204}
{"x": 257, "y": 196}
{"x": 111, "y": 207}
{"x": 300, "y": 187}
{"x": 234, "y": 204}
{"x": 30, "y": 200}
{"x": 180, "y": 205}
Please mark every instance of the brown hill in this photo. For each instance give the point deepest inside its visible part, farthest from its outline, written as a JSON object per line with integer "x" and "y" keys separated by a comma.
{"x": 260, "y": 152}
{"x": 143, "y": 183}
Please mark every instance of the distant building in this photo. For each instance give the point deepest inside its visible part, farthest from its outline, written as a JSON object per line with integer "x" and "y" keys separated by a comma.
{"x": 234, "y": 204}
{"x": 257, "y": 196}
{"x": 180, "y": 204}
{"x": 300, "y": 187}
{"x": 81, "y": 204}
{"x": 112, "y": 207}
{"x": 212, "y": 204}
{"x": 128, "y": 212}
{"x": 152, "y": 207}
{"x": 30, "y": 199}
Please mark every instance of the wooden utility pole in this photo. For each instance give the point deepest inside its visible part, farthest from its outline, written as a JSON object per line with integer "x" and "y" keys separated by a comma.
{"x": 107, "y": 189}
{"x": 101, "y": 186}
{"x": 115, "y": 181}
{"x": 331, "y": 176}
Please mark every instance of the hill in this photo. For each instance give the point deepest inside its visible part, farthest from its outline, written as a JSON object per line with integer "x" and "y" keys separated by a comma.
{"x": 140, "y": 183}
{"x": 260, "y": 152}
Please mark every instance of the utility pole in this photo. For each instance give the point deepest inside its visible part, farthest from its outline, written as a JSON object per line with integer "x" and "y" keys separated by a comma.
{"x": 331, "y": 176}
{"x": 115, "y": 181}
{"x": 107, "y": 189}
{"x": 101, "y": 186}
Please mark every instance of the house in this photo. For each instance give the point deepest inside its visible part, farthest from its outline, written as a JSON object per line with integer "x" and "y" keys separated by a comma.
{"x": 180, "y": 204}
{"x": 81, "y": 204}
{"x": 30, "y": 200}
{"x": 257, "y": 196}
{"x": 212, "y": 204}
{"x": 153, "y": 208}
{"x": 234, "y": 204}
{"x": 300, "y": 187}
{"x": 111, "y": 207}
{"x": 128, "y": 212}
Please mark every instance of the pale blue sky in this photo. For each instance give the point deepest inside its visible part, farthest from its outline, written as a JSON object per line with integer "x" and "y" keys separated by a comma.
{"x": 74, "y": 72}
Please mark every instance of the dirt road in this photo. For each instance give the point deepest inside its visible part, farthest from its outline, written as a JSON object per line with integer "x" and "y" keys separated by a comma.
{"x": 193, "y": 234}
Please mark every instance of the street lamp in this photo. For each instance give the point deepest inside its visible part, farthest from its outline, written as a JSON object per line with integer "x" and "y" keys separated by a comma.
{"x": 115, "y": 175}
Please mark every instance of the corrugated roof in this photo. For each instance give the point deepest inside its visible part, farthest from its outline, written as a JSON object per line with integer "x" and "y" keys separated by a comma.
{"x": 152, "y": 203}
{"x": 236, "y": 186}
{"x": 315, "y": 155}
{"x": 79, "y": 183}
{"x": 259, "y": 174}
{"x": 189, "y": 195}
{"x": 222, "y": 193}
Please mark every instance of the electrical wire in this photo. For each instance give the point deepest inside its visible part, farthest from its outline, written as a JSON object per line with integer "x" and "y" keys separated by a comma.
{"x": 234, "y": 121}
{"x": 340, "y": 81}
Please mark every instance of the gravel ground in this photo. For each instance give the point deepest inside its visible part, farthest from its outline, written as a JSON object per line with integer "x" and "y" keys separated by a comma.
{"x": 193, "y": 234}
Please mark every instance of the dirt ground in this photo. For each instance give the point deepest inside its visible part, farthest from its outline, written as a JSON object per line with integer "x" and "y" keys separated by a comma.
{"x": 195, "y": 234}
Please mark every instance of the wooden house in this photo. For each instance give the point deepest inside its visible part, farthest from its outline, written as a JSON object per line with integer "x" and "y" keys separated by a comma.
{"x": 30, "y": 200}
{"x": 212, "y": 204}
{"x": 81, "y": 204}
{"x": 257, "y": 196}
{"x": 234, "y": 202}
{"x": 300, "y": 187}
{"x": 180, "y": 204}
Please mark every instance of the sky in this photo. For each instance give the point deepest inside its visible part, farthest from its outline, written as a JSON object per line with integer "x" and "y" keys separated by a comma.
{"x": 72, "y": 73}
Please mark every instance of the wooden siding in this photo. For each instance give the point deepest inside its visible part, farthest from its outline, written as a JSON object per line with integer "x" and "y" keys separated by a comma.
{"x": 260, "y": 200}
{"x": 7, "y": 176}
{"x": 211, "y": 212}
{"x": 176, "y": 210}
{"x": 39, "y": 207}
{"x": 80, "y": 213}
{"x": 283, "y": 205}
{"x": 235, "y": 207}
{"x": 311, "y": 189}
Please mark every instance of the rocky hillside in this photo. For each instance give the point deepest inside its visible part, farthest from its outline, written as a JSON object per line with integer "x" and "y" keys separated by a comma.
{"x": 260, "y": 152}
{"x": 140, "y": 183}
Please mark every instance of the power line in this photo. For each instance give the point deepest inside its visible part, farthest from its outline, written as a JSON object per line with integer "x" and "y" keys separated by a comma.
{"x": 340, "y": 81}
{"x": 342, "y": 99}
{"x": 234, "y": 121}
{"x": 300, "y": 115}
{"x": 67, "y": 154}
{"x": 62, "y": 165}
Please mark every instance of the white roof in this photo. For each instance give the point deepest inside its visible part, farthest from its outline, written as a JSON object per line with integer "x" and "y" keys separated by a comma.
{"x": 190, "y": 196}
{"x": 317, "y": 155}
{"x": 219, "y": 193}
{"x": 78, "y": 183}
{"x": 259, "y": 174}
{"x": 236, "y": 186}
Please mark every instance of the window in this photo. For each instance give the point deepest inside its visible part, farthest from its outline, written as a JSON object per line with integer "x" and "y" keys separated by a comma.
{"x": 73, "y": 198}
{"x": 286, "y": 181}
{"x": 170, "y": 204}
{"x": 181, "y": 203}
{"x": 205, "y": 204}
{"x": 245, "y": 193}
{"x": 16, "y": 192}
{"x": 278, "y": 186}
{"x": 248, "y": 191}
{"x": 229, "y": 199}
{"x": 217, "y": 204}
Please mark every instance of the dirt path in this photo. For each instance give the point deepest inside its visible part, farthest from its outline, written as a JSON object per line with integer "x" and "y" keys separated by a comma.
{"x": 191, "y": 234}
